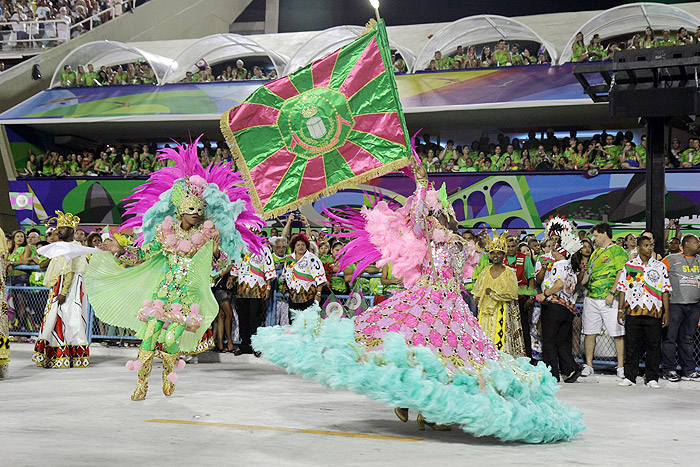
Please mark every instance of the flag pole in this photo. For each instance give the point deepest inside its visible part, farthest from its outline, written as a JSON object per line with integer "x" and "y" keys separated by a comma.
{"x": 375, "y": 5}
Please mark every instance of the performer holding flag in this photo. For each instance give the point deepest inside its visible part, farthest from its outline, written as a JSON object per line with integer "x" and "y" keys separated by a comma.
{"x": 338, "y": 122}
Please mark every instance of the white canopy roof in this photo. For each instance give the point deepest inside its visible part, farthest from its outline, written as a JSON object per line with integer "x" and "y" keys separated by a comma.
{"x": 479, "y": 29}
{"x": 331, "y": 39}
{"x": 217, "y": 48}
{"x": 632, "y": 19}
{"x": 110, "y": 53}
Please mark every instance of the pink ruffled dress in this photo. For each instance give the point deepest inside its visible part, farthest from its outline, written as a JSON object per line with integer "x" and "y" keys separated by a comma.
{"x": 432, "y": 312}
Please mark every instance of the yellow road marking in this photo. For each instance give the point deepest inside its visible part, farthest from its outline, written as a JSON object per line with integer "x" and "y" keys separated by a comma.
{"x": 288, "y": 430}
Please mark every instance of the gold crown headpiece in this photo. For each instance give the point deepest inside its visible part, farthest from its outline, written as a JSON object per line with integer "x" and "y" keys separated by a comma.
{"x": 65, "y": 220}
{"x": 310, "y": 111}
{"x": 498, "y": 242}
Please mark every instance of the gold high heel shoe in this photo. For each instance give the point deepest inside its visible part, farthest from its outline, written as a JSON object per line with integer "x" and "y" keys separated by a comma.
{"x": 422, "y": 423}
{"x": 402, "y": 413}
{"x": 169, "y": 375}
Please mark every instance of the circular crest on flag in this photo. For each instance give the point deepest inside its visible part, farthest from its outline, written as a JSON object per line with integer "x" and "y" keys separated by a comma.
{"x": 315, "y": 122}
{"x": 22, "y": 201}
{"x": 334, "y": 309}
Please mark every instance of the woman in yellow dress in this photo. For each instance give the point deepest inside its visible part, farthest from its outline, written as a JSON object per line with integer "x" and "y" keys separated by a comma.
{"x": 496, "y": 294}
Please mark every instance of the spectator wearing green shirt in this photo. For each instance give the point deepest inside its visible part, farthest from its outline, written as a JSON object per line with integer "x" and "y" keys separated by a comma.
{"x": 68, "y": 77}
{"x": 240, "y": 72}
{"x": 612, "y": 151}
{"x": 596, "y": 51}
{"x": 442, "y": 63}
{"x": 515, "y": 57}
{"x": 90, "y": 78}
{"x": 501, "y": 55}
{"x": 683, "y": 38}
{"x": 691, "y": 156}
{"x": 666, "y": 39}
{"x": 486, "y": 58}
{"x": 514, "y": 155}
{"x": 610, "y": 50}
{"x": 629, "y": 158}
{"x": 649, "y": 40}
{"x": 460, "y": 58}
{"x": 579, "y": 52}
{"x": 600, "y": 305}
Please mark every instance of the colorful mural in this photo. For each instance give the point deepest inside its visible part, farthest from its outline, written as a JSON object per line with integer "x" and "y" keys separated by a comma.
{"x": 443, "y": 89}
{"x": 512, "y": 201}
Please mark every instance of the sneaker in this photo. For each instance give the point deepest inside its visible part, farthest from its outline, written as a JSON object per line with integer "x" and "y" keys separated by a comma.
{"x": 621, "y": 373}
{"x": 672, "y": 376}
{"x": 626, "y": 382}
{"x": 587, "y": 370}
{"x": 653, "y": 384}
{"x": 694, "y": 376}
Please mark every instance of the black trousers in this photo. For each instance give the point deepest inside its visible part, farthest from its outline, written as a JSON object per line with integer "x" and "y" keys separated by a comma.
{"x": 525, "y": 323}
{"x": 644, "y": 329}
{"x": 682, "y": 326}
{"x": 298, "y": 306}
{"x": 556, "y": 339}
{"x": 251, "y": 312}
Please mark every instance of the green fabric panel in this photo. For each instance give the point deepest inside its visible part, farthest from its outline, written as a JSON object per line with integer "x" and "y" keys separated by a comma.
{"x": 337, "y": 169}
{"x": 302, "y": 79}
{"x": 366, "y": 100}
{"x": 384, "y": 150}
{"x": 288, "y": 189}
{"x": 265, "y": 138}
{"x": 263, "y": 96}
{"x": 347, "y": 58}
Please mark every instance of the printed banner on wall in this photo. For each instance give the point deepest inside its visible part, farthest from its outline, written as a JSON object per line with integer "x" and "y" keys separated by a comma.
{"x": 480, "y": 200}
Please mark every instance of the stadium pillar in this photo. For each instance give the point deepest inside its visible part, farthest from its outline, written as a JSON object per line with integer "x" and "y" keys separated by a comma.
{"x": 655, "y": 180}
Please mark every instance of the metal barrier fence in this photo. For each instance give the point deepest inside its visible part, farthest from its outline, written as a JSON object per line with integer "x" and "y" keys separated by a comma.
{"x": 26, "y": 306}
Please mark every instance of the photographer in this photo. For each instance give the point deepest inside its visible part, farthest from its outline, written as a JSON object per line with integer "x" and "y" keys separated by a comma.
{"x": 296, "y": 216}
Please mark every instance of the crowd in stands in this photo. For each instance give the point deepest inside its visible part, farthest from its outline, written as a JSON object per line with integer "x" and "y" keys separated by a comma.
{"x": 30, "y": 20}
{"x": 127, "y": 161}
{"x": 596, "y": 51}
{"x": 230, "y": 73}
{"x": 604, "y": 151}
{"x": 86, "y": 76}
{"x": 503, "y": 54}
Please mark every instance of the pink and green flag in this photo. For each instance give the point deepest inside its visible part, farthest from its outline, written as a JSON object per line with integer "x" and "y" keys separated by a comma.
{"x": 335, "y": 123}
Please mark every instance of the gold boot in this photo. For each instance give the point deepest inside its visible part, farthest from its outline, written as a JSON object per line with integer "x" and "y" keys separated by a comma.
{"x": 146, "y": 357}
{"x": 422, "y": 423}
{"x": 402, "y": 413}
{"x": 169, "y": 362}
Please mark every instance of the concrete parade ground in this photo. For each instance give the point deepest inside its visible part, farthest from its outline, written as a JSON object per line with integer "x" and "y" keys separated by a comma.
{"x": 242, "y": 411}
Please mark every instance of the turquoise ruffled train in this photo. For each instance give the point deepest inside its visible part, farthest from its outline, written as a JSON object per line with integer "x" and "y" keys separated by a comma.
{"x": 509, "y": 399}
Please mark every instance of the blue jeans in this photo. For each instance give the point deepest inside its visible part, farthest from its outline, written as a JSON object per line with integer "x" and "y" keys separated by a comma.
{"x": 683, "y": 323}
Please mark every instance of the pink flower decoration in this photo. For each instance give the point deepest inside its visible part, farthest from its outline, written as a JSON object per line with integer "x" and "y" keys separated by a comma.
{"x": 180, "y": 364}
{"x": 171, "y": 240}
{"x": 184, "y": 246}
{"x": 194, "y": 308}
{"x": 198, "y": 181}
{"x": 172, "y": 377}
{"x": 197, "y": 239}
{"x": 208, "y": 225}
{"x": 147, "y": 303}
{"x": 176, "y": 307}
{"x": 158, "y": 303}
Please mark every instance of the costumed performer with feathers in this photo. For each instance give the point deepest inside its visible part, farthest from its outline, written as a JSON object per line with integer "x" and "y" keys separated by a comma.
{"x": 191, "y": 218}
{"x": 421, "y": 349}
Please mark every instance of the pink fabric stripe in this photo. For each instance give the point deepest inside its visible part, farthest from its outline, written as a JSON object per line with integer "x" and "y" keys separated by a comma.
{"x": 248, "y": 115}
{"x": 368, "y": 67}
{"x": 268, "y": 174}
{"x": 383, "y": 125}
{"x": 358, "y": 159}
{"x": 283, "y": 88}
{"x": 323, "y": 69}
{"x": 314, "y": 178}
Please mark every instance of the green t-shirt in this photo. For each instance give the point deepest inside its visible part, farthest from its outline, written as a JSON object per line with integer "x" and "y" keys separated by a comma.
{"x": 517, "y": 60}
{"x": 595, "y": 54}
{"x": 445, "y": 63}
{"x": 663, "y": 43}
{"x": 641, "y": 153}
{"x": 90, "y": 78}
{"x": 47, "y": 170}
{"x": 577, "y": 50}
{"x": 68, "y": 79}
{"x": 501, "y": 57}
{"x": 603, "y": 267}
{"x": 690, "y": 155}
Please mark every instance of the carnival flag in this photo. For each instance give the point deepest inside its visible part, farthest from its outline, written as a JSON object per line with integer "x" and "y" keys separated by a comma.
{"x": 334, "y": 123}
{"x": 22, "y": 201}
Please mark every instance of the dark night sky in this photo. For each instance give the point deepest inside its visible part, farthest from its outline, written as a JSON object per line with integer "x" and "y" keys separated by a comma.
{"x": 309, "y": 15}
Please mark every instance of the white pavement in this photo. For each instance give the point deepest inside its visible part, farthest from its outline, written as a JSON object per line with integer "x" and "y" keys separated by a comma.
{"x": 245, "y": 411}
